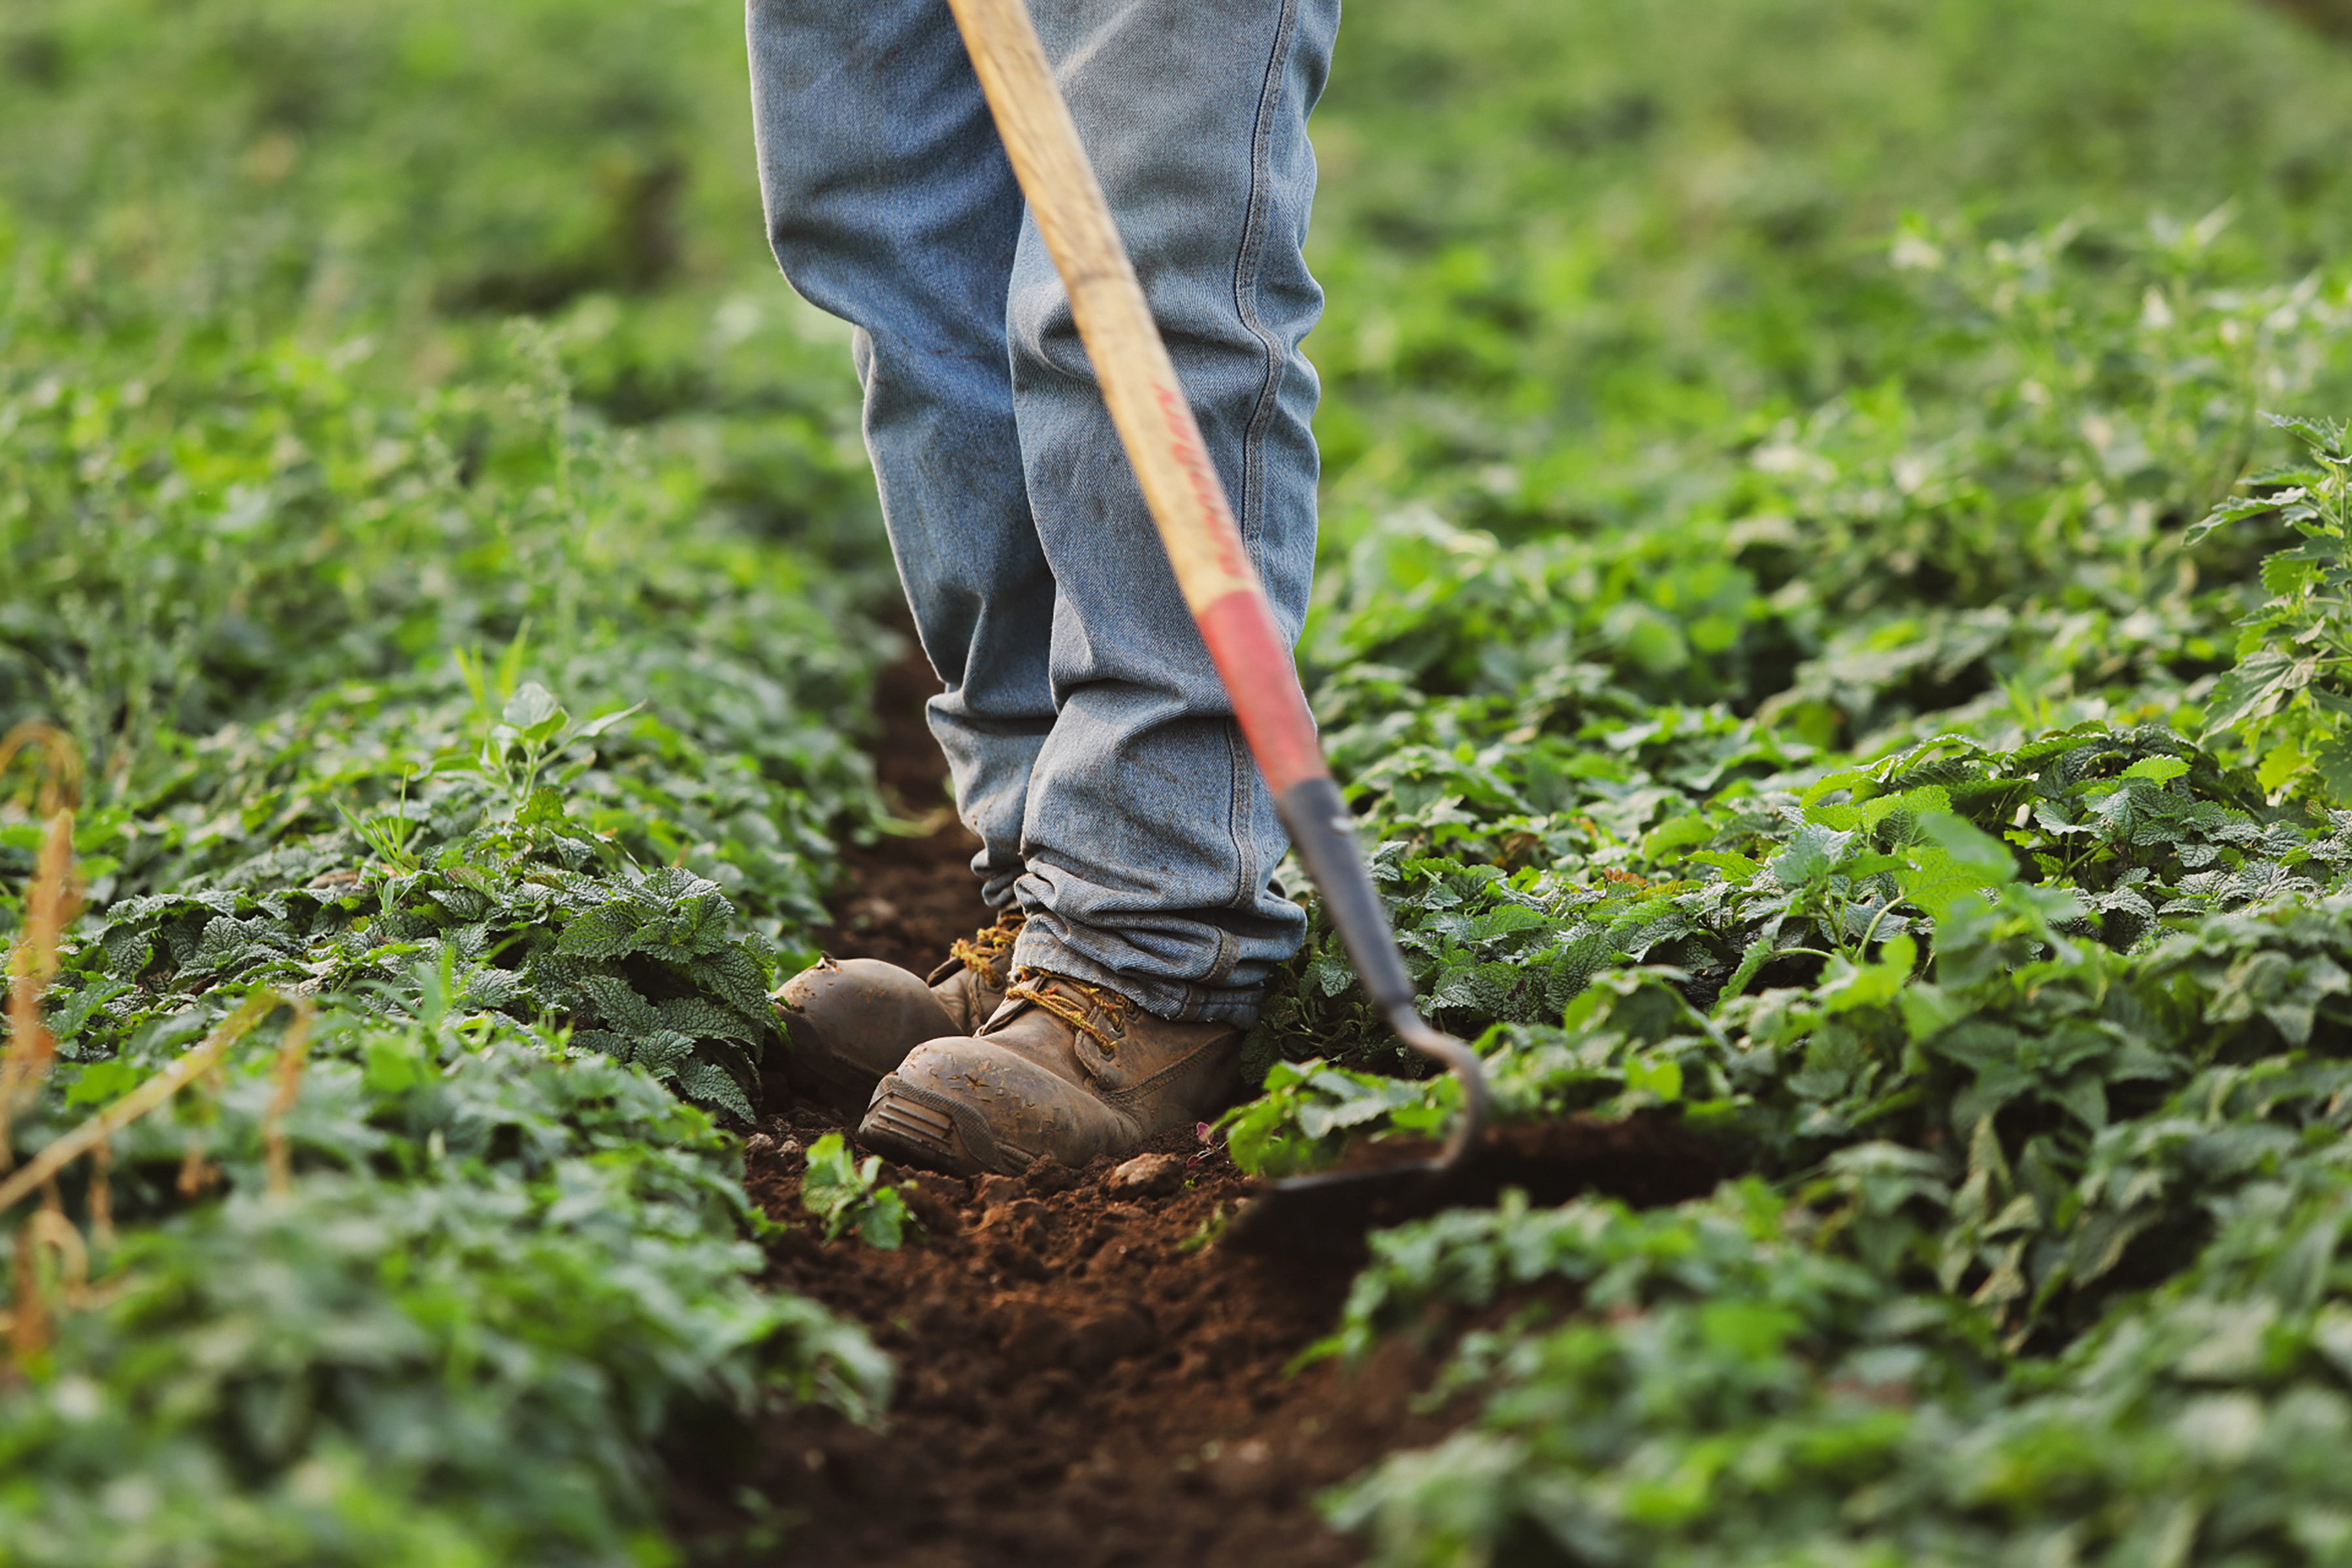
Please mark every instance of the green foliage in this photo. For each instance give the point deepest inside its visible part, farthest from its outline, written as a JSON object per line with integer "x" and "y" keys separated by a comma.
{"x": 841, "y": 1190}
{"x": 1736, "y": 1396}
{"x": 2289, "y": 693}
{"x": 1763, "y": 628}
{"x": 1791, "y": 879}
{"x": 310, "y": 546}
{"x": 1766, "y": 637}
{"x": 533, "y": 914}
{"x": 503, "y": 1273}
{"x": 1296, "y": 1123}
{"x": 1581, "y": 260}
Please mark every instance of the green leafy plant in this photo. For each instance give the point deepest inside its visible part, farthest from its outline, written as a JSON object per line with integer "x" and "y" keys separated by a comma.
{"x": 532, "y": 729}
{"x": 2290, "y": 693}
{"x": 841, "y": 1191}
{"x": 449, "y": 1287}
{"x": 1307, "y": 1107}
{"x": 386, "y": 832}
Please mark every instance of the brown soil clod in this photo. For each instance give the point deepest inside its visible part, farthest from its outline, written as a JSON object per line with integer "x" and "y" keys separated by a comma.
{"x": 1155, "y": 1175}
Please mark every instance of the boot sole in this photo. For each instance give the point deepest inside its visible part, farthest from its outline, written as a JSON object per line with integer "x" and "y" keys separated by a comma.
{"x": 915, "y": 1126}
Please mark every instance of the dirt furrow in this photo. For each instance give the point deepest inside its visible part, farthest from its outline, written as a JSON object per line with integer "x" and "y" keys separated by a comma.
{"x": 1085, "y": 1378}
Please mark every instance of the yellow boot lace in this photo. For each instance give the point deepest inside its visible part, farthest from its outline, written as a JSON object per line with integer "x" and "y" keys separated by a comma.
{"x": 979, "y": 951}
{"x": 1041, "y": 987}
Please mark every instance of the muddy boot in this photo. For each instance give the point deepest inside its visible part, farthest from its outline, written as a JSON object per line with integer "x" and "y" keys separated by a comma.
{"x": 971, "y": 983}
{"x": 1062, "y": 1069}
{"x": 849, "y": 1021}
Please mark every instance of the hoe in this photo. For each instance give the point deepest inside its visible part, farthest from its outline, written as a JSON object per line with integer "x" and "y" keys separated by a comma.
{"x": 1188, "y": 504}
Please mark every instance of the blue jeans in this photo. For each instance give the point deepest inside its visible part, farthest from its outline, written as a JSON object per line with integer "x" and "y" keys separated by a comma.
{"x": 1091, "y": 745}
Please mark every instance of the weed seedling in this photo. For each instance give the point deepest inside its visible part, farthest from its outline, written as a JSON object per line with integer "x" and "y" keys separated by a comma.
{"x": 842, "y": 1192}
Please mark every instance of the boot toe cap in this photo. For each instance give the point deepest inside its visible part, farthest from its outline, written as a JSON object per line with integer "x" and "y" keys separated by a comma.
{"x": 967, "y": 1105}
{"x": 848, "y": 1024}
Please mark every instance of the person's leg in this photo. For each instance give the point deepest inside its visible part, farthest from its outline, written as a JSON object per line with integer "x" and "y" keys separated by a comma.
{"x": 1150, "y": 837}
{"x": 890, "y": 204}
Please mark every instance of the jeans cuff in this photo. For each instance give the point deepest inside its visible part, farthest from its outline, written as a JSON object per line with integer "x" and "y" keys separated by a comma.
{"x": 997, "y": 890}
{"x": 1175, "y": 1000}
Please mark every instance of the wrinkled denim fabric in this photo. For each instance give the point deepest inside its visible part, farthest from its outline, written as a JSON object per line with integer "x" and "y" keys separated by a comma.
{"x": 1090, "y": 743}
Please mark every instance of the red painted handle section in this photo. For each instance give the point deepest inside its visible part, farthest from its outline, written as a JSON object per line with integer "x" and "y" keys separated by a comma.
{"x": 1264, "y": 685}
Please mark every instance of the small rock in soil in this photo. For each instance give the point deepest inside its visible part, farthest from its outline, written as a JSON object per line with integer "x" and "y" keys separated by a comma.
{"x": 1242, "y": 1472}
{"x": 1146, "y": 1176}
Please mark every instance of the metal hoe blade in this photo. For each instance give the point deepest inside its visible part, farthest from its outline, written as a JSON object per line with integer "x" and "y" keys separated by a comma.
{"x": 1326, "y": 1214}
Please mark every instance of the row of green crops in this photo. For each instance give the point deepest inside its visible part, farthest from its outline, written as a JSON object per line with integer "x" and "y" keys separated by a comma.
{"x": 1931, "y": 781}
{"x": 1766, "y": 622}
{"x": 311, "y": 664}
{"x": 2042, "y": 1039}
{"x": 450, "y": 673}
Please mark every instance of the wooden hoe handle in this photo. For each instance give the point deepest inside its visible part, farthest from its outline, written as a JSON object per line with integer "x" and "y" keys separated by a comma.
{"x": 1189, "y": 507}
{"x": 1147, "y": 403}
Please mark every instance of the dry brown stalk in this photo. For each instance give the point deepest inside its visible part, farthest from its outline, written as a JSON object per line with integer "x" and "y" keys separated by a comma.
{"x": 61, "y": 786}
{"x": 51, "y": 904}
{"x": 28, "y": 1323}
{"x": 201, "y": 1058}
{"x": 36, "y": 1291}
{"x": 292, "y": 1058}
{"x": 101, "y": 1194}
{"x": 196, "y": 1172}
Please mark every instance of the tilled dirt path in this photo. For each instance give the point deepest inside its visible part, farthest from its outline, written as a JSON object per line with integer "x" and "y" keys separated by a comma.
{"x": 1082, "y": 1382}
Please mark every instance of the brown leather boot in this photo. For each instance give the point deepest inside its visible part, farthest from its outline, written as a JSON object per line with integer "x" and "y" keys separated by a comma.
{"x": 849, "y": 1021}
{"x": 1062, "y": 1069}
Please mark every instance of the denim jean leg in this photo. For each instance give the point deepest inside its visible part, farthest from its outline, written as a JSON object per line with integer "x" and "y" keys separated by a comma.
{"x": 890, "y": 204}
{"x": 1149, "y": 839}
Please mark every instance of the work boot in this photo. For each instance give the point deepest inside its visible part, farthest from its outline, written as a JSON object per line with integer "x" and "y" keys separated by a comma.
{"x": 1062, "y": 1069}
{"x": 849, "y": 1021}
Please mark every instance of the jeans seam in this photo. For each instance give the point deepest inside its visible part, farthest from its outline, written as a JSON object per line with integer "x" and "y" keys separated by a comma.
{"x": 1247, "y": 265}
{"x": 1239, "y": 823}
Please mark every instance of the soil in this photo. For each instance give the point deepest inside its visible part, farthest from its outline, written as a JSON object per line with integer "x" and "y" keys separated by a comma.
{"x": 1086, "y": 1376}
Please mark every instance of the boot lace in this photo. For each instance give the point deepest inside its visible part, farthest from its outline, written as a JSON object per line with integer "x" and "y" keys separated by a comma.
{"x": 980, "y": 952}
{"x": 1105, "y": 1022}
